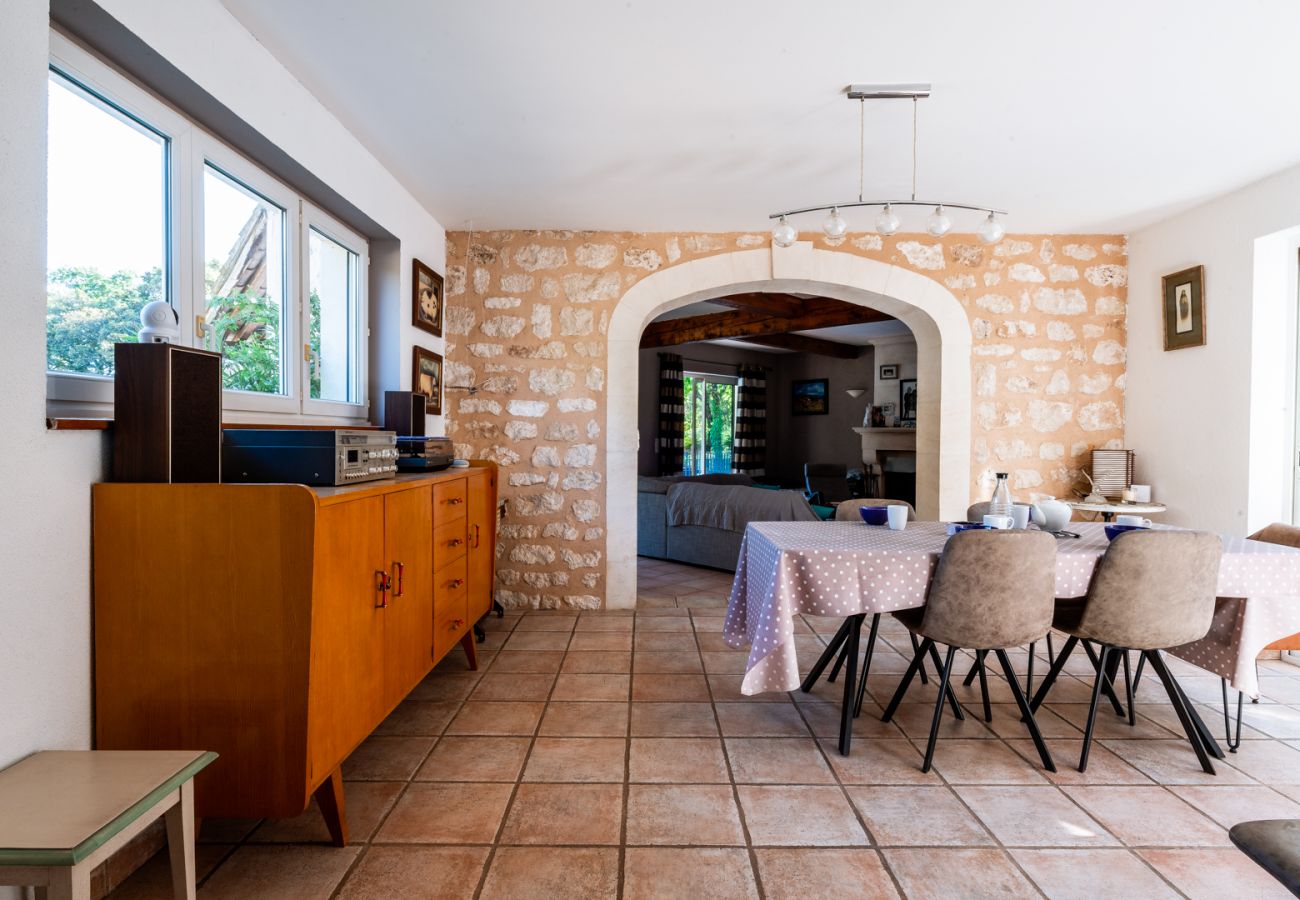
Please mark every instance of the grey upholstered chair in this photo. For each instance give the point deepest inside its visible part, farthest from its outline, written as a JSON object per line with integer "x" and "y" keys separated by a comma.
{"x": 992, "y": 590}
{"x": 1151, "y": 590}
{"x": 977, "y": 511}
{"x": 847, "y": 511}
{"x": 825, "y": 483}
{"x": 1272, "y": 843}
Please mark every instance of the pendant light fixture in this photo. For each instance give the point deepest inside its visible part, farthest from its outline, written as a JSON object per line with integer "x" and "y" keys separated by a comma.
{"x": 887, "y": 222}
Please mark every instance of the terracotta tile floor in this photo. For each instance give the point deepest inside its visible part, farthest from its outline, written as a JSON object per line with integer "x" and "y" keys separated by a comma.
{"x": 612, "y": 755}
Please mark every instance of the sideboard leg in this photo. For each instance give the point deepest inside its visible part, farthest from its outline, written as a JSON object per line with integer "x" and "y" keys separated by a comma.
{"x": 329, "y": 797}
{"x": 471, "y": 651}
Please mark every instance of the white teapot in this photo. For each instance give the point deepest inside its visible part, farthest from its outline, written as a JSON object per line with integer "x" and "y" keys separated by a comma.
{"x": 1050, "y": 514}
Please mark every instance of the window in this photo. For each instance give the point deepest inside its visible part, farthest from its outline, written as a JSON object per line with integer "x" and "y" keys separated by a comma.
{"x": 710, "y": 424}
{"x": 144, "y": 206}
{"x": 107, "y": 207}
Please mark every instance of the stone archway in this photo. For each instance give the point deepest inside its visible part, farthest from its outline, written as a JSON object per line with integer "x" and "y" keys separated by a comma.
{"x": 936, "y": 318}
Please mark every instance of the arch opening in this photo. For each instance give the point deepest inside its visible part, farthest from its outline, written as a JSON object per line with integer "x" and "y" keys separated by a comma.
{"x": 935, "y": 317}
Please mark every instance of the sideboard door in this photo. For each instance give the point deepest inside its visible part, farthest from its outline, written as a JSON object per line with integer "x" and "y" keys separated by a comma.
{"x": 347, "y": 648}
{"x": 482, "y": 542}
{"x": 408, "y": 638}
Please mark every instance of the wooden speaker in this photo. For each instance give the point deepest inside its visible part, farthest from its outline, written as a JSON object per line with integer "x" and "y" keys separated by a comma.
{"x": 166, "y": 414}
{"x": 404, "y": 412}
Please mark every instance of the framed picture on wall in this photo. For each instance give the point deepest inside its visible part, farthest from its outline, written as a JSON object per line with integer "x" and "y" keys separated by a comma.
{"x": 426, "y": 302}
{"x": 1184, "y": 300}
{"x": 888, "y": 373}
{"x": 426, "y": 378}
{"x": 810, "y": 397}
{"x": 907, "y": 401}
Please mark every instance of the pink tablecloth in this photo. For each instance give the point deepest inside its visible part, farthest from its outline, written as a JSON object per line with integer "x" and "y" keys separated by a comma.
{"x": 846, "y": 568}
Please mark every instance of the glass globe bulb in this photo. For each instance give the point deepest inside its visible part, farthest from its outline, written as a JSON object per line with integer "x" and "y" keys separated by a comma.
{"x": 784, "y": 234}
{"x": 834, "y": 225}
{"x": 990, "y": 230}
{"x": 887, "y": 222}
{"x": 938, "y": 224}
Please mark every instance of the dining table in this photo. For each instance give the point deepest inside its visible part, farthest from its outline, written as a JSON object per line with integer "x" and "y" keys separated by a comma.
{"x": 851, "y": 569}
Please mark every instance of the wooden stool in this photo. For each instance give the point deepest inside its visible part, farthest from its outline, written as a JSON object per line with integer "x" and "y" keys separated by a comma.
{"x": 62, "y": 813}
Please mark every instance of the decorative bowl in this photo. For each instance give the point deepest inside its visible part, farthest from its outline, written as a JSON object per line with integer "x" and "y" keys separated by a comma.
{"x": 955, "y": 527}
{"x": 1114, "y": 531}
{"x": 874, "y": 515}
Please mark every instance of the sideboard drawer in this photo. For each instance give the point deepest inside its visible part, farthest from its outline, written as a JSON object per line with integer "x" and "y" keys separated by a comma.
{"x": 449, "y": 500}
{"x": 449, "y": 542}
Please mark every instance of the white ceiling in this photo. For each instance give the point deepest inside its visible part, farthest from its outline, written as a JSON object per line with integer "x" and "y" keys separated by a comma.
{"x": 691, "y": 115}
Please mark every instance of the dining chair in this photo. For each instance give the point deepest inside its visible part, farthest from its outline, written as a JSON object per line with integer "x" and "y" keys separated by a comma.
{"x": 977, "y": 511}
{"x": 1151, "y": 590}
{"x": 847, "y": 510}
{"x": 991, "y": 591}
{"x": 825, "y": 483}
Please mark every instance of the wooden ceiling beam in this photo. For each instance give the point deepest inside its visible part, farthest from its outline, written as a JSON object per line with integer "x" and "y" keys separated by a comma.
{"x": 819, "y": 312}
{"x": 785, "y": 306}
{"x": 801, "y": 343}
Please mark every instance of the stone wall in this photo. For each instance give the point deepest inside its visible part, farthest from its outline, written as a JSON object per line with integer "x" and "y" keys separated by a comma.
{"x": 527, "y": 313}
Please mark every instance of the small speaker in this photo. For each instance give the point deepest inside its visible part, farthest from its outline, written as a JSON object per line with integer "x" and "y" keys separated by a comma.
{"x": 404, "y": 412}
{"x": 166, "y": 414}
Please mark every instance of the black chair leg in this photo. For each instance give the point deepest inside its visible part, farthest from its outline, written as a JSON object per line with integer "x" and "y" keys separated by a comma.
{"x": 1107, "y": 686}
{"x": 1043, "y": 753}
{"x": 1207, "y": 736}
{"x": 1176, "y": 698}
{"x": 915, "y": 647}
{"x": 1137, "y": 674}
{"x": 866, "y": 664}
{"x": 984, "y": 685}
{"x": 1051, "y": 657}
{"x": 839, "y": 664}
{"x": 1097, "y": 684}
{"x": 1029, "y": 668}
{"x": 912, "y": 668}
{"x": 1052, "y": 673}
{"x": 974, "y": 671}
{"x": 1128, "y": 691}
{"x": 947, "y": 688}
{"x": 944, "y": 673}
{"x": 850, "y": 684}
{"x": 825, "y": 658}
{"x": 1233, "y": 742}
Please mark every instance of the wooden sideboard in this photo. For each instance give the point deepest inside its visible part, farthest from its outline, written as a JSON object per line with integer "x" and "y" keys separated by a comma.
{"x": 279, "y": 624}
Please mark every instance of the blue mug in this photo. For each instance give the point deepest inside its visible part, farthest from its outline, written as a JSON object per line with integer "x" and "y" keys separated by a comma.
{"x": 1114, "y": 531}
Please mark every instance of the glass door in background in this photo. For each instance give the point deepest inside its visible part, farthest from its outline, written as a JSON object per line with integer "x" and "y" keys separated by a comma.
{"x": 710, "y": 426}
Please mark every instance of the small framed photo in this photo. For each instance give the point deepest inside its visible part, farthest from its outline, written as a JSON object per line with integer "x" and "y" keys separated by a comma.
{"x": 426, "y": 378}
{"x": 888, "y": 373}
{"x": 810, "y": 397}
{"x": 426, "y": 302}
{"x": 1184, "y": 300}
{"x": 907, "y": 401}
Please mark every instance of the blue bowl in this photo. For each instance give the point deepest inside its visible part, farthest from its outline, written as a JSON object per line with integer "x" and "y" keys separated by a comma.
{"x": 874, "y": 515}
{"x": 958, "y": 527}
{"x": 1114, "y": 531}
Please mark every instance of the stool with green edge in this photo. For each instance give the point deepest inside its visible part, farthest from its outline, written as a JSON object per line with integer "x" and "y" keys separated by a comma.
{"x": 63, "y": 812}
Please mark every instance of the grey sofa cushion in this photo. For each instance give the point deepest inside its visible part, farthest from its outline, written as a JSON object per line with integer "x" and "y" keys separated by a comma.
{"x": 648, "y": 485}
{"x": 715, "y": 478}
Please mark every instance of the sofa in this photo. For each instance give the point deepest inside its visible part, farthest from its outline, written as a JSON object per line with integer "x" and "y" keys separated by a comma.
{"x": 701, "y": 520}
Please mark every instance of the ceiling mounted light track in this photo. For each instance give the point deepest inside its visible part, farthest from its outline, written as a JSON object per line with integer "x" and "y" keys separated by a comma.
{"x": 887, "y": 222}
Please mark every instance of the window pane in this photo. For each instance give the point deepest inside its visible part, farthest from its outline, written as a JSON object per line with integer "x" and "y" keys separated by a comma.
{"x": 334, "y": 285}
{"x": 107, "y": 222}
{"x": 243, "y": 249}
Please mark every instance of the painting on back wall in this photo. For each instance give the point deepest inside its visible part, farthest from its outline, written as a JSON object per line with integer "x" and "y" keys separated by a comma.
{"x": 810, "y": 397}
{"x": 426, "y": 305}
{"x": 426, "y": 378}
{"x": 1184, "y": 314}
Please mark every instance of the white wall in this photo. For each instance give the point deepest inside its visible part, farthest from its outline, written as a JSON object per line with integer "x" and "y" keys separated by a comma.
{"x": 1211, "y": 425}
{"x": 45, "y": 653}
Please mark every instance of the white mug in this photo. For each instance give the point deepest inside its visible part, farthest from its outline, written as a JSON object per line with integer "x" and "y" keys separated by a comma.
{"x": 1020, "y": 516}
{"x": 998, "y": 521}
{"x": 1141, "y": 493}
{"x": 1133, "y": 520}
{"x": 897, "y": 514}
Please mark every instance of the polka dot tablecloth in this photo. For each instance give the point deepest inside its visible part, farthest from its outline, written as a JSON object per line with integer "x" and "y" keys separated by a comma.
{"x": 846, "y": 568}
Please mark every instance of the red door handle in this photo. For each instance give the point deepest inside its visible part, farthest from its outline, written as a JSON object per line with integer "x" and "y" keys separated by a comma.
{"x": 398, "y": 571}
{"x": 455, "y": 583}
{"x": 382, "y": 583}
{"x": 455, "y": 542}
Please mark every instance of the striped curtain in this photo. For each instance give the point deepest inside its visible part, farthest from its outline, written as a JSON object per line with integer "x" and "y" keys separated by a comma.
{"x": 672, "y": 415}
{"x": 749, "y": 453}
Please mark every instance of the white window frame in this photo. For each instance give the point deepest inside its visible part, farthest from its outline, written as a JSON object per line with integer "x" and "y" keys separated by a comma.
{"x": 189, "y": 149}
{"x": 315, "y": 218}
{"x": 734, "y": 381}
